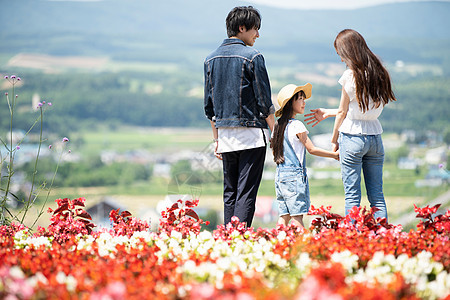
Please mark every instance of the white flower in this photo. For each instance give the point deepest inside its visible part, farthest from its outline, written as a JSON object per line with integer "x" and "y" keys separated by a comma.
{"x": 235, "y": 234}
{"x": 16, "y": 272}
{"x": 176, "y": 235}
{"x": 281, "y": 236}
{"x": 189, "y": 265}
{"x": 205, "y": 236}
{"x": 415, "y": 270}
{"x": 347, "y": 259}
{"x": 38, "y": 277}
{"x": 223, "y": 263}
{"x": 69, "y": 281}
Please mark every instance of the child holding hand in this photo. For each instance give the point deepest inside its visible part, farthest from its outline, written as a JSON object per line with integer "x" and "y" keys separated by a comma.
{"x": 289, "y": 144}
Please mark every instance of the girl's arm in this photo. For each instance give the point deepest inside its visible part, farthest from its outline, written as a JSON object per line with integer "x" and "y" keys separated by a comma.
{"x": 319, "y": 114}
{"x": 340, "y": 116}
{"x": 303, "y": 137}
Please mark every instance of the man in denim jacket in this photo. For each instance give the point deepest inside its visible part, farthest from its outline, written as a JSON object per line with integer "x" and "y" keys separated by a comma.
{"x": 238, "y": 104}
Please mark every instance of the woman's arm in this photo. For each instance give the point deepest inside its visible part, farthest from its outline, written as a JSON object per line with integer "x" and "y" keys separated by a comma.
{"x": 340, "y": 116}
{"x": 319, "y": 114}
{"x": 303, "y": 137}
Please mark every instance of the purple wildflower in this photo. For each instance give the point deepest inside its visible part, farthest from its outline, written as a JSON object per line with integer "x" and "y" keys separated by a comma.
{"x": 13, "y": 76}
{"x": 70, "y": 151}
{"x": 441, "y": 166}
{"x": 18, "y": 78}
{"x": 39, "y": 104}
{"x": 6, "y": 94}
{"x": 49, "y": 104}
{"x": 43, "y": 102}
{"x": 49, "y": 146}
{"x": 65, "y": 140}
{"x": 6, "y": 77}
{"x": 18, "y": 147}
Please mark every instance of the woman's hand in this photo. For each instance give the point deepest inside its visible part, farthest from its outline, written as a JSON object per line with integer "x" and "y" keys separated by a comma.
{"x": 334, "y": 146}
{"x": 316, "y": 116}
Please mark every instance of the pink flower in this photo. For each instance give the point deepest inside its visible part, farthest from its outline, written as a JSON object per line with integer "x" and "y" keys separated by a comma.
{"x": 203, "y": 291}
{"x": 116, "y": 289}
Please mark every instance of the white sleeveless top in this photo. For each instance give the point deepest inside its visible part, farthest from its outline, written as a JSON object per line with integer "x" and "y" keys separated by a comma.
{"x": 357, "y": 122}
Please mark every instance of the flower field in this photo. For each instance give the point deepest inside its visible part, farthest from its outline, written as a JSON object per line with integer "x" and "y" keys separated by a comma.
{"x": 356, "y": 257}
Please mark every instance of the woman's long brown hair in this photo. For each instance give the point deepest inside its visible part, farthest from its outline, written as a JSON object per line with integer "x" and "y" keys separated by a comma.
{"x": 371, "y": 77}
{"x": 280, "y": 127}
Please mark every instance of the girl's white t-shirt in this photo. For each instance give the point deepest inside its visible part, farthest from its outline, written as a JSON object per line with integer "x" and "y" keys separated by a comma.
{"x": 294, "y": 127}
{"x": 357, "y": 122}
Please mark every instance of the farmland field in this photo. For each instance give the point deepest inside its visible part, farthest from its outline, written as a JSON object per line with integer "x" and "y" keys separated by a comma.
{"x": 399, "y": 185}
{"x": 151, "y": 139}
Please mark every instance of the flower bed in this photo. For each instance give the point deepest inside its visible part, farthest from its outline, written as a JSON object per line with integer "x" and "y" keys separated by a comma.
{"x": 356, "y": 257}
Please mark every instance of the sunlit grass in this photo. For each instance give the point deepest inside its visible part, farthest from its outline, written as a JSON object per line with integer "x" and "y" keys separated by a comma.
{"x": 151, "y": 139}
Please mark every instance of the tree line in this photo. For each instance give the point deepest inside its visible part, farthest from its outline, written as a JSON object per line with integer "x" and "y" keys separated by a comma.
{"x": 83, "y": 101}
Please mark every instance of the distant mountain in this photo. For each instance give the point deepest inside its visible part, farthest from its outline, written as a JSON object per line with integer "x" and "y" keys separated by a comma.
{"x": 175, "y": 30}
{"x": 178, "y": 34}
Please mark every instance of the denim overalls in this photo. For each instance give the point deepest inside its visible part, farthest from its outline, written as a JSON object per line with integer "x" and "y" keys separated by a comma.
{"x": 291, "y": 182}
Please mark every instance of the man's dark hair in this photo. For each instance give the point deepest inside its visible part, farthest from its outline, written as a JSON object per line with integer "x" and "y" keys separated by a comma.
{"x": 242, "y": 16}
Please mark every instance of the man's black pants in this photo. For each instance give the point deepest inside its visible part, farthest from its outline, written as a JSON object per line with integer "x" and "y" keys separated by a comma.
{"x": 242, "y": 172}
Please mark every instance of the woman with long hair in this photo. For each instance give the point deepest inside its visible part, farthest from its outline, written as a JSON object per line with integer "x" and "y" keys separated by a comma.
{"x": 366, "y": 89}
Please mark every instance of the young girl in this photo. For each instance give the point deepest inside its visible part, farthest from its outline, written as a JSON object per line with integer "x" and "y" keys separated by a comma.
{"x": 357, "y": 131}
{"x": 289, "y": 141}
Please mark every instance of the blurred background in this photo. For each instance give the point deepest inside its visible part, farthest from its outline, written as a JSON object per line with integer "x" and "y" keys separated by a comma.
{"x": 125, "y": 79}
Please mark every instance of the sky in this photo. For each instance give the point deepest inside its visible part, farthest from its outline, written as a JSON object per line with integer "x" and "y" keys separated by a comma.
{"x": 327, "y": 4}
{"x": 314, "y": 4}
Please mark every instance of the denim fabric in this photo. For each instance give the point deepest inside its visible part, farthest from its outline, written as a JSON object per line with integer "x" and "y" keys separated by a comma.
{"x": 364, "y": 152}
{"x": 237, "y": 88}
{"x": 291, "y": 183}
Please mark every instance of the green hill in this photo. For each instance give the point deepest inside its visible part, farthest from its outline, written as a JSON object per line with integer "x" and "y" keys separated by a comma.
{"x": 152, "y": 58}
{"x": 149, "y": 30}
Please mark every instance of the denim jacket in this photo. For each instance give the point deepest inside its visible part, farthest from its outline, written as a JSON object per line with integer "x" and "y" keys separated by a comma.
{"x": 237, "y": 87}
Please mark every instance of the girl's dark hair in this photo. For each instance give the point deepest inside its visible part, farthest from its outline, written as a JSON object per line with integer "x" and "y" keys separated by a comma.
{"x": 371, "y": 77}
{"x": 279, "y": 128}
{"x": 242, "y": 16}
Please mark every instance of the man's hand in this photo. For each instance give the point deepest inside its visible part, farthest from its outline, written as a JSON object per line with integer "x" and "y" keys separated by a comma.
{"x": 218, "y": 155}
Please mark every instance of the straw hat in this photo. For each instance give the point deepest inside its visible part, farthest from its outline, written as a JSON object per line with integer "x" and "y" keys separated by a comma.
{"x": 288, "y": 91}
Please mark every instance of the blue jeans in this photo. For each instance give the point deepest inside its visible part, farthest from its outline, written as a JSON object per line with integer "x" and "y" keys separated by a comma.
{"x": 364, "y": 152}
